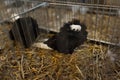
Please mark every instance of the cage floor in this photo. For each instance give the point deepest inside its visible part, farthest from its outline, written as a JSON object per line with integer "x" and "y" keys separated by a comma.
{"x": 92, "y": 62}
{"x": 88, "y": 62}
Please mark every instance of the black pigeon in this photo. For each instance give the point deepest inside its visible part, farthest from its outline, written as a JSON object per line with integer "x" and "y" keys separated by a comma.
{"x": 25, "y": 31}
{"x": 71, "y": 35}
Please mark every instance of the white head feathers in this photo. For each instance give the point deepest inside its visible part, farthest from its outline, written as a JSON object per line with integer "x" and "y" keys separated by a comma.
{"x": 75, "y": 27}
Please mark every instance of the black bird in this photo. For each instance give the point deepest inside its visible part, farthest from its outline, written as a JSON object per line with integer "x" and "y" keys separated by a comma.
{"x": 25, "y": 31}
{"x": 71, "y": 35}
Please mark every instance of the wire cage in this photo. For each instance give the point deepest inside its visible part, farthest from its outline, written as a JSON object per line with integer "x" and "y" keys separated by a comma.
{"x": 102, "y": 18}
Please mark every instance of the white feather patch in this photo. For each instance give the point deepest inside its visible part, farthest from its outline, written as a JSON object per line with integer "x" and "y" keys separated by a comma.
{"x": 15, "y": 16}
{"x": 75, "y": 27}
{"x": 41, "y": 45}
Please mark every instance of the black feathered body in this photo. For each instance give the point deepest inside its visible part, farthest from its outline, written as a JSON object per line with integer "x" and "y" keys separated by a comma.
{"x": 24, "y": 30}
{"x": 67, "y": 40}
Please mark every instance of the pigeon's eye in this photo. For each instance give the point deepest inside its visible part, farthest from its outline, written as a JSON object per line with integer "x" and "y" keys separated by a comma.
{"x": 75, "y": 27}
{"x": 77, "y": 30}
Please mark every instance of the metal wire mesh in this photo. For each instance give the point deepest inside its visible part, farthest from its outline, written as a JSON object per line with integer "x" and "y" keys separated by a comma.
{"x": 102, "y": 20}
